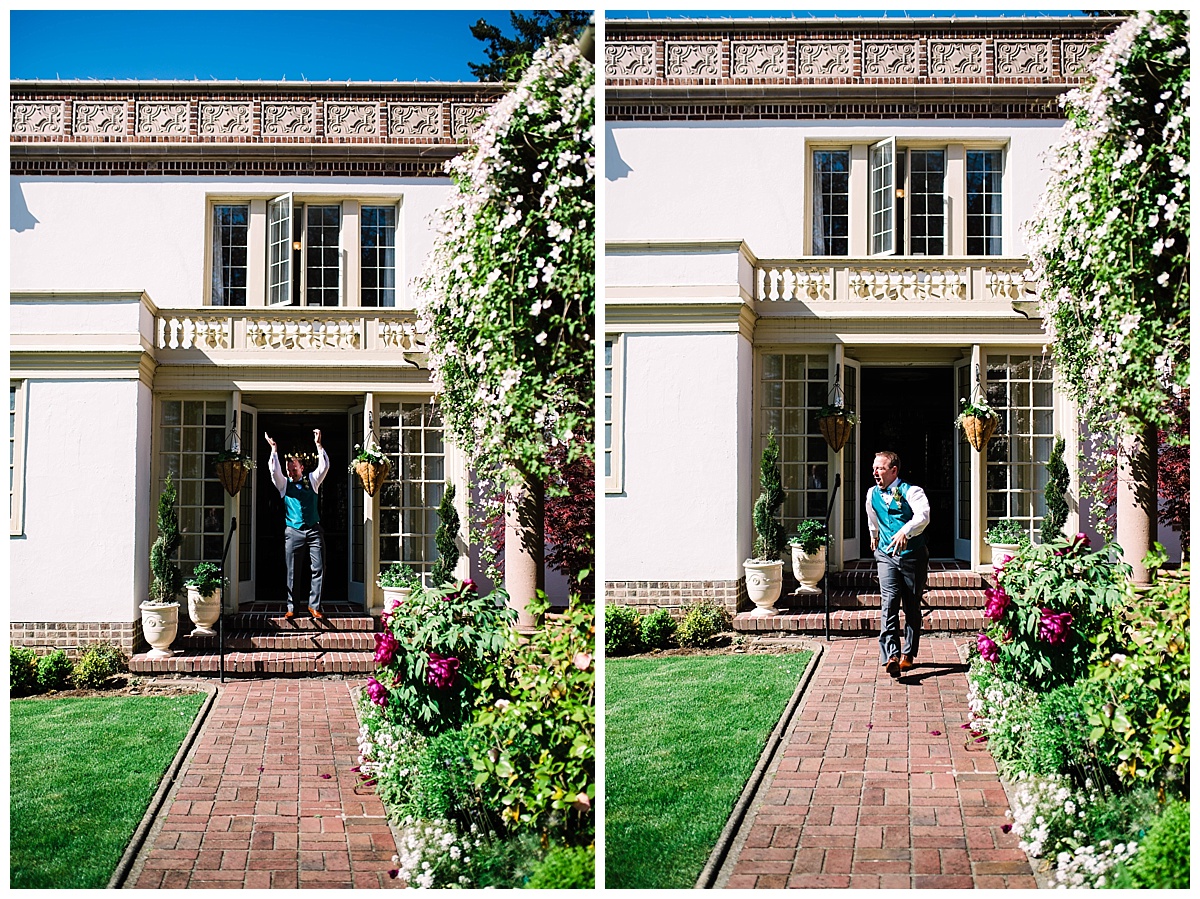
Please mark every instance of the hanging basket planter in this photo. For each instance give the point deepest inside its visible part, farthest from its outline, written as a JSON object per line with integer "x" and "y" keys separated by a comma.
{"x": 836, "y": 430}
{"x": 979, "y": 429}
{"x": 232, "y": 474}
{"x": 372, "y": 474}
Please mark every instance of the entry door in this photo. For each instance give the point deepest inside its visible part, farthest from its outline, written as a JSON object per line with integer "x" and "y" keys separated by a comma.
{"x": 962, "y": 469}
{"x": 244, "y": 503}
{"x": 356, "y": 587}
{"x": 851, "y": 492}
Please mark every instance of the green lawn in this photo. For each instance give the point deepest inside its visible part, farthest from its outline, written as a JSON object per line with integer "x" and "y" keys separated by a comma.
{"x": 682, "y": 736}
{"x": 83, "y": 773}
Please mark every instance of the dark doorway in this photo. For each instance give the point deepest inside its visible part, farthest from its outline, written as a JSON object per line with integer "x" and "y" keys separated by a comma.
{"x": 292, "y": 431}
{"x": 911, "y": 412}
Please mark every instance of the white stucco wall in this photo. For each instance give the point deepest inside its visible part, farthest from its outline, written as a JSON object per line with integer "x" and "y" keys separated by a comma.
{"x": 745, "y": 180}
{"x": 684, "y": 512}
{"x": 84, "y": 553}
{"x": 150, "y": 234}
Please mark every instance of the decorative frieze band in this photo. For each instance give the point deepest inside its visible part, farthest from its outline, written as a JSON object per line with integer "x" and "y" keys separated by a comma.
{"x": 40, "y": 119}
{"x": 890, "y": 59}
{"x": 957, "y": 59}
{"x": 630, "y": 60}
{"x": 420, "y": 120}
{"x": 226, "y": 119}
{"x": 759, "y": 59}
{"x": 352, "y": 119}
{"x": 1022, "y": 59}
{"x": 99, "y": 119}
{"x": 289, "y": 120}
{"x": 693, "y": 60}
{"x": 825, "y": 59}
{"x": 162, "y": 119}
{"x": 465, "y": 119}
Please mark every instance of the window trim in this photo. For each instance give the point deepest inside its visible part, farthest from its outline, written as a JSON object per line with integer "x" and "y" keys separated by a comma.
{"x": 18, "y": 390}
{"x": 613, "y": 443}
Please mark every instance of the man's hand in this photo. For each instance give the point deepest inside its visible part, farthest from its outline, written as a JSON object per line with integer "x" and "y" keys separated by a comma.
{"x": 317, "y": 437}
{"x": 270, "y": 442}
{"x": 874, "y": 543}
{"x": 900, "y": 542}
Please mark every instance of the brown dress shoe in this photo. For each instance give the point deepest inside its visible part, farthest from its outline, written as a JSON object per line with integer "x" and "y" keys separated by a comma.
{"x": 290, "y": 615}
{"x": 893, "y": 666}
{"x": 906, "y": 662}
{"x": 316, "y": 613}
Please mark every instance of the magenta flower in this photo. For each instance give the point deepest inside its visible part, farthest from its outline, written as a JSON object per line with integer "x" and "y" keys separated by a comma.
{"x": 443, "y": 670}
{"x": 385, "y": 648}
{"x": 1054, "y": 626}
{"x": 1006, "y": 827}
{"x": 988, "y": 648}
{"x": 377, "y": 692}
{"x": 999, "y": 566}
{"x": 997, "y": 604}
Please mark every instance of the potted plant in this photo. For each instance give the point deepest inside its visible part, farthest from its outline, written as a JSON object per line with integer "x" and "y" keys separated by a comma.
{"x": 398, "y": 581}
{"x": 836, "y": 423}
{"x": 1006, "y": 538}
{"x": 232, "y": 468}
{"x": 978, "y": 421}
{"x": 808, "y": 554}
{"x": 204, "y": 598}
{"x": 160, "y": 613}
{"x": 371, "y": 466}
{"x": 764, "y": 572}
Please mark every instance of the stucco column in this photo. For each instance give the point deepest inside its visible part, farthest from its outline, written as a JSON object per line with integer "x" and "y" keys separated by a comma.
{"x": 1137, "y": 500}
{"x": 524, "y": 574}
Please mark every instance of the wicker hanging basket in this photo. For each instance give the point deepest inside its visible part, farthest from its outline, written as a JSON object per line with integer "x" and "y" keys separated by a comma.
{"x": 372, "y": 474}
{"x": 836, "y": 430}
{"x": 232, "y": 474}
{"x": 978, "y": 430}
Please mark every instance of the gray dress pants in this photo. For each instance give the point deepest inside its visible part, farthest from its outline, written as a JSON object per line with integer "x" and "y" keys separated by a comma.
{"x": 901, "y": 583}
{"x": 312, "y": 540}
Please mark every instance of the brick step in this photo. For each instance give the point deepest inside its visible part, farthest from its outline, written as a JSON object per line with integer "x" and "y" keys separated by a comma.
{"x": 853, "y": 621}
{"x": 281, "y": 641}
{"x": 855, "y": 599}
{"x": 951, "y": 579}
{"x": 256, "y": 664}
{"x": 270, "y": 622}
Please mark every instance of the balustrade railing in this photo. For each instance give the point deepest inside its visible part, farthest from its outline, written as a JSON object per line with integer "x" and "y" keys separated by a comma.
{"x": 893, "y": 279}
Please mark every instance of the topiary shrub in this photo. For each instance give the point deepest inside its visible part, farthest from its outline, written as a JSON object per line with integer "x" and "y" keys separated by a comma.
{"x": 622, "y": 630}
{"x": 1058, "y": 482}
{"x": 22, "y": 671}
{"x": 701, "y": 623}
{"x": 772, "y": 536}
{"x": 446, "y": 539}
{"x": 98, "y": 664}
{"x": 1162, "y": 861}
{"x": 658, "y": 629}
{"x": 565, "y": 868}
{"x": 54, "y": 671}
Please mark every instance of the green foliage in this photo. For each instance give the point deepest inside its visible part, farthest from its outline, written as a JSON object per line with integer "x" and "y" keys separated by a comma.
{"x": 1142, "y": 669}
{"x": 166, "y": 579}
{"x": 838, "y": 409}
{"x": 22, "y": 671}
{"x": 772, "y": 537}
{"x": 658, "y": 629}
{"x": 622, "y": 630}
{"x": 100, "y": 662}
{"x": 399, "y": 574}
{"x": 206, "y": 578}
{"x": 54, "y": 671}
{"x": 508, "y": 57}
{"x": 446, "y": 539}
{"x": 507, "y": 861}
{"x": 810, "y": 535}
{"x": 537, "y": 720}
{"x": 565, "y": 868}
{"x": 1008, "y": 531}
{"x": 1055, "y": 737}
{"x": 701, "y": 623}
{"x": 978, "y": 408}
{"x": 1058, "y": 482}
{"x": 442, "y": 782}
{"x": 1041, "y": 647}
{"x": 1163, "y": 859}
{"x": 453, "y": 623}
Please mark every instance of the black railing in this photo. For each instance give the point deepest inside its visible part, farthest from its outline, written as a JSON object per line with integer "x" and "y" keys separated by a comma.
{"x": 837, "y": 482}
{"x": 221, "y": 618}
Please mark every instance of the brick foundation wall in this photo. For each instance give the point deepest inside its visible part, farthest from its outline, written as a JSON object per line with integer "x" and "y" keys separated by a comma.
{"x": 676, "y": 596}
{"x": 74, "y": 636}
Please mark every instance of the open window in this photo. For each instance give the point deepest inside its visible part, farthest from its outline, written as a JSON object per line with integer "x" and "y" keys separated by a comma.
{"x": 883, "y": 197}
{"x": 279, "y": 251}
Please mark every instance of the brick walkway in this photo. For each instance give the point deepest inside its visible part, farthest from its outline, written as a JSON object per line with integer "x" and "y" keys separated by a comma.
{"x": 875, "y": 787}
{"x": 267, "y": 797}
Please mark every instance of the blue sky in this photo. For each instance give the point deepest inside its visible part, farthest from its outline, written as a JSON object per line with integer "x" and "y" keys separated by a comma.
{"x": 359, "y": 45}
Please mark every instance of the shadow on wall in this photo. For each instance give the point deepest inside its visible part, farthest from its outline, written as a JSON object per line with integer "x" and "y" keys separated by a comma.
{"x": 19, "y": 217}
{"x": 615, "y": 168}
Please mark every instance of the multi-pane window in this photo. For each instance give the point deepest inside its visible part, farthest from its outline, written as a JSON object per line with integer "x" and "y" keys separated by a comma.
{"x": 16, "y": 452}
{"x": 963, "y": 375}
{"x": 410, "y": 434}
{"x": 322, "y": 255}
{"x": 377, "y": 244}
{"x": 1021, "y": 389}
{"x": 612, "y": 415}
{"x": 245, "y": 502}
{"x": 925, "y": 197}
{"x": 850, "y": 501}
{"x": 831, "y": 203}
{"x": 794, "y": 387}
{"x": 192, "y": 432}
{"x": 231, "y": 229}
{"x": 883, "y": 197}
{"x": 279, "y": 250}
{"x": 984, "y": 203}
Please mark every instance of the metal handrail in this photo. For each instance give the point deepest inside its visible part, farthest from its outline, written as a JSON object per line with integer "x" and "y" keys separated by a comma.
{"x": 837, "y": 482}
{"x": 221, "y": 617}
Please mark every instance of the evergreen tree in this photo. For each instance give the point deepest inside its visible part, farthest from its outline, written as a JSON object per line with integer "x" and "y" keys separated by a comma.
{"x": 508, "y": 57}
{"x": 446, "y": 539}
{"x": 772, "y": 537}
{"x": 1058, "y": 482}
{"x": 167, "y": 579}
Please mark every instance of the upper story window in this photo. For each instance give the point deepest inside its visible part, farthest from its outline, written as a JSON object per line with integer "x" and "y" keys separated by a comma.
{"x": 983, "y": 202}
{"x": 378, "y": 255}
{"x": 231, "y": 232}
{"x": 16, "y": 457}
{"x": 831, "y": 202}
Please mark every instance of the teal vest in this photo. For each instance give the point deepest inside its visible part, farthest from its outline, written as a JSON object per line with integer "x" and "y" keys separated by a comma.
{"x": 893, "y": 513}
{"x": 300, "y": 504}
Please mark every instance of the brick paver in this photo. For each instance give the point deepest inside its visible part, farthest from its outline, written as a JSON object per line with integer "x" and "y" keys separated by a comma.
{"x": 267, "y": 798}
{"x": 876, "y": 785}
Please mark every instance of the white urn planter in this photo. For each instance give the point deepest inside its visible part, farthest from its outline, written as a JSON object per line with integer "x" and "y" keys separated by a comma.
{"x": 1001, "y": 552}
{"x": 809, "y": 568}
{"x": 160, "y": 624}
{"x": 204, "y": 611}
{"x": 394, "y": 596}
{"x": 764, "y": 582}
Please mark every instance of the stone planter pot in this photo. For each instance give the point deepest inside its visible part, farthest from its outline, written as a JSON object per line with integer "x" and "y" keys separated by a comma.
{"x": 394, "y": 596}
{"x": 1001, "y": 552}
{"x": 764, "y": 582}
{"x": 160, "y": 624}
{"x": 808, "y": 568}
{"x": 204, "y": 611}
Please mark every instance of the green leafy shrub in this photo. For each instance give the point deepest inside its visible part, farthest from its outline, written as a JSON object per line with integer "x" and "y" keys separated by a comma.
{"x": 507, "y": 862}
{"x": 537, "y": 728}
{"x": 810, "y": 536}
{"x": 22, "y": 671}
{"x": 442, "y": 783}
{"x": 437, "y": 648}
{"x": 658, "y": 629}
{"x": 1055, "y": 738}
{"x": 100, "y": 662}
{"x": 622, "y": 630}
{"x": 206, "y": 578}
{"x": 446, "y": 539}
{"x": 1142, "y": 677}
{"x": 1010, "y": 531}
{"x": 565, "y": 868}
{"x": 399, "y": 574}
{"x": 1058, "y": 482}
{"x": 1162, "y": 862}
{"x": 701, "y": 623}
{"x": 54, "y": 671}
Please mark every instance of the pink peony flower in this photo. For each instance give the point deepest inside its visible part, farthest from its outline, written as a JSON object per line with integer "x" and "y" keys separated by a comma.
{"x": 443, "y": 671}
{"x": 376, "y": 692}
{"x": 999, "y": 566}
{"x": 988, "y": 648}
{"x": 1054, "y": 626}
{"x": 385, "y": 648}
{"x": 997, "y": 604}
{"x": 582, "y": 661}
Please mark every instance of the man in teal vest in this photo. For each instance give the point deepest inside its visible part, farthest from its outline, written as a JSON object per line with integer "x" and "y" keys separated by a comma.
{"x": 302, "y": 531}
{"x": 897, "y": 514}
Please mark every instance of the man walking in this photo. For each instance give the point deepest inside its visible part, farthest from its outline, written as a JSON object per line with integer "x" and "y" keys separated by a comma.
{"x": 897, "y": 514}
{"x": 302, "y": 531}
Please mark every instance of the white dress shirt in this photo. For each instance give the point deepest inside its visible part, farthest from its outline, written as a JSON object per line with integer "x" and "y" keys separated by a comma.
{"x": 280, "y": 480}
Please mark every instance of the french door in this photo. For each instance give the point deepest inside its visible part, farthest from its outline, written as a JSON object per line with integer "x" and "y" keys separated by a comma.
{"x": 850, "y": 496}
{"x": 243, "y": 503}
